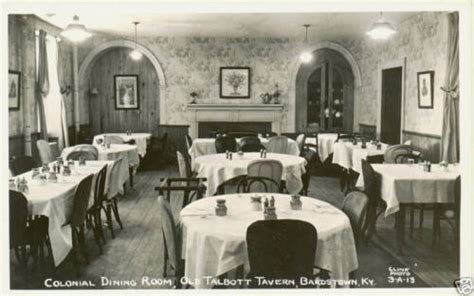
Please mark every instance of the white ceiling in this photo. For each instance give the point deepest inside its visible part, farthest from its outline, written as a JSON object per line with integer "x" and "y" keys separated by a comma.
{"x": 324, "y": 26}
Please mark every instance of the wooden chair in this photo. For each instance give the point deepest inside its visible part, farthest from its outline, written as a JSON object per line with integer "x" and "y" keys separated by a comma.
{"x": 111, "y": 206}
{"x": 355, "y": 207}
{"x": 113, "y": 139}
{"x": 300, "y": 141}
{"x": 85, "y": 147}
{"x": 155, "y": 152}
{"x": 94, "y": 211}
{"x": 171, "y": 240}
{"x": 191, "y": 189}
{"x": 78, "y": 219}
{"x": 22, "y": 164}
{"x": 250, "y": 144}
{"x": 225, "y": 143}
{"x": 281, "y": 249}
{"x": 21, "y": 234}
{"x": 278, "y": 144}
{"x": 76, "y": 155}
{"x": 392, "y": 151}
{"x": 344, "y": 137}
{"x": 379, "y": 158}
{"x": 44, "y": 151}
{"x": 54, "y": 148}
{"x": 263, "y": 175}
{"x": 184, "y": 165}
{"x": 269, "y": 135}
{"x": 375, "y": 202}
{"x": 404, "y": 157}
{"x": 189, "y": 142}
{"x": 311, "y": 157}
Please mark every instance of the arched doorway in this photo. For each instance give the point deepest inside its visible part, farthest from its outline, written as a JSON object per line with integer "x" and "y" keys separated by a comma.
{"x": 96, "y": 78}
{"x": 325, "y": 93}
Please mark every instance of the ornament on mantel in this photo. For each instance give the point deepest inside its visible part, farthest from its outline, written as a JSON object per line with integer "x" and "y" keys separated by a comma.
{"x": 194, "y": 95}
{"x": 276, "y": 95}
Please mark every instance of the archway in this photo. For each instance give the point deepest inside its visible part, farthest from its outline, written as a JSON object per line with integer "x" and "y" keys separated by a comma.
{"x": 97, "y": 52}
{"x": 347, "y": 56}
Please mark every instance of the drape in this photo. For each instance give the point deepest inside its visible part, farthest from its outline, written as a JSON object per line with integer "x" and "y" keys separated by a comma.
{"x": 450, "y": 132}
{"x": 42, "y": 83}
{"x": 64, "y": 93}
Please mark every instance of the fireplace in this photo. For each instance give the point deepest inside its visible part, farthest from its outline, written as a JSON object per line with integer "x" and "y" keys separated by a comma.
{"x": 208, "y": 129}
{"x": 205, "y": 119}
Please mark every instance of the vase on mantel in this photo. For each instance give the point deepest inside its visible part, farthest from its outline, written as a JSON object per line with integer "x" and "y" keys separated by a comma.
{"x": 266, "y": 98}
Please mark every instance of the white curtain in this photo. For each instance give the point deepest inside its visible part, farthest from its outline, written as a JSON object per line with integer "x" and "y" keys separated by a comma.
{"x": 54, "y": 105}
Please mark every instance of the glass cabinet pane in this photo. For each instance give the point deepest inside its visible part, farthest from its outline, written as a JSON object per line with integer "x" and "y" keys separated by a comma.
{"x": 314, "y": 98}
{"x": 337, "y": 88}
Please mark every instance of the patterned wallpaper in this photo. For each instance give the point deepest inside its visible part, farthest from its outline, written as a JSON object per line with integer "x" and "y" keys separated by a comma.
{"x": 192, "y": 64}
{"x": 422, "y": 39}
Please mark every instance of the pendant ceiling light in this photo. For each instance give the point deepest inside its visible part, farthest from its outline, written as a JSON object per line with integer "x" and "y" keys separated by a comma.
{"x": 306, "y": 56}
{"x": 76, "y": 32}
{"x": 381, "y": 29}
{"x": 136, "y": 54}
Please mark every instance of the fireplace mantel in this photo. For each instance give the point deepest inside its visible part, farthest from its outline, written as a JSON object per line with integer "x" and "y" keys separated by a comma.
{"x": 233, "y": 107}
{"x": 234, "y": 113}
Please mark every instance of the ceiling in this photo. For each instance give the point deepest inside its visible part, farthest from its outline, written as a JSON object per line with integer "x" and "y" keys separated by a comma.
{"x": 324, "y": 26}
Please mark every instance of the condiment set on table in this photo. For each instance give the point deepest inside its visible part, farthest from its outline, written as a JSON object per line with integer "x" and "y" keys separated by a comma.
{"x": 269, "y": 210}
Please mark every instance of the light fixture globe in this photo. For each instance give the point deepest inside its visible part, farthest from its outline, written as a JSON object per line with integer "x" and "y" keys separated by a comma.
{"x": 381, "y": 29}
{"x": 75, "y": 31}
{"x": 306, "y": 57}
{"x": 136, "y": 55}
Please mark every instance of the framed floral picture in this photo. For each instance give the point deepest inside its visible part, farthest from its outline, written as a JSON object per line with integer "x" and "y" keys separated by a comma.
{"x": 234, "y": 82}
{"x": 425, "y": 89}
{"x": 126, "y": 92}
{"x": 14, "y": 81}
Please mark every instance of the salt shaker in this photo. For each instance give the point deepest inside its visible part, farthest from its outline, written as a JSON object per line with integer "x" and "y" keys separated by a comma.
{"x": 221, "y": 208}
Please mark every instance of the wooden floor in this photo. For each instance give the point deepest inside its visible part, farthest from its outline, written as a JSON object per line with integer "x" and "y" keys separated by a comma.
{"x": 137, "y": 250}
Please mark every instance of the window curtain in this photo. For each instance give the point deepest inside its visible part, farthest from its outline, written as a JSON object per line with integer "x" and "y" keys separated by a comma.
{"x": 450, "y": 132}
{"x": 42, "y": 83}
{"x": 53, "y": 102}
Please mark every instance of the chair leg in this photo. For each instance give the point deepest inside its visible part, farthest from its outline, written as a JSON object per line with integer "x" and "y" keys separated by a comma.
{"x": 412, "y": 217}
{"x": 420, "y": 225}
{"x": 130, "y": 171}
{"x": 75, "y": 250}
{"x": 95, "y": 229}
{"x": 108, "y": 213}
{"x": 116, "y": 212}
{"x": 82, "y": 243}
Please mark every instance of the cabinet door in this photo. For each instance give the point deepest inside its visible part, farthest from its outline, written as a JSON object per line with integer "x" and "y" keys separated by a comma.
{"x": 336, "y": 100}
{"x": 316, "y": 98}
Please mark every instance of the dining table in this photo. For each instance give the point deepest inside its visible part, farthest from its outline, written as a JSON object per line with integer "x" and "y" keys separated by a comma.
{"x": 214, "y": 245}
{"x": 206, "y": 146}
{"x": 127, "y": 152}
{"x": 218, "y": 169}
{"x": 349, "y": 156}
{"x": 408, "y": 184}
{"x": 55, "y": 201}
{"x": 325, "y": 143}
{"x": 141, "y": 140}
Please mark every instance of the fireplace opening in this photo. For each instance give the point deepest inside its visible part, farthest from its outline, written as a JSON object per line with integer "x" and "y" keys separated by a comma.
{"x": 208, "y": 129}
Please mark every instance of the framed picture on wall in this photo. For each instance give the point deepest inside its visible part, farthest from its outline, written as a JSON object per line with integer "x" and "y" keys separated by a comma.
{"x": 14, "y": 81}
{"x": 425, "y": 89}
{"x": 126, "y": 92}
{"x": 234, "y": 82}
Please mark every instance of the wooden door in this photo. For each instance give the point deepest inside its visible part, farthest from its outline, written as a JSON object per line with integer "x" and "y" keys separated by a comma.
{"x": 391, "y": 105}
{"x": 316, "y": 96}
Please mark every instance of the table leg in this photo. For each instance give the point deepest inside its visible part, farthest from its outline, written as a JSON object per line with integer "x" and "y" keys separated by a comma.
{"x": 400, "y": 228}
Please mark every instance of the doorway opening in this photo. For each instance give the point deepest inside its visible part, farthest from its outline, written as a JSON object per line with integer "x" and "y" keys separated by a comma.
{"x": 390, "y": 125}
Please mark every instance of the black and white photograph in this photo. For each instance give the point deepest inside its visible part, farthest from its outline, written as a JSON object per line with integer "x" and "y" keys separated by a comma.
{"x": 232, "y": 148}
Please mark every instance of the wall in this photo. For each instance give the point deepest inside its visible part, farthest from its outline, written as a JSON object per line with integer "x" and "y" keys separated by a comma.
{"x": 104, "y": 117}
{"x": 422, "y": 39}
{"x": 22, "y": 57}
{"x": 192, "y": 64}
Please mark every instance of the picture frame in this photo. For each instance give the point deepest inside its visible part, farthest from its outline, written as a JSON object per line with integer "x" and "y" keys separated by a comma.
{"x": 234, "y": 82}
{"x": 126, "y": 92}
{"x": 425, "y": 88}
{"x": 14, "y": 90}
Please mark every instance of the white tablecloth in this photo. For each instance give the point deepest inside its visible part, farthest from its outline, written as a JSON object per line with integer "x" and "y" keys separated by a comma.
{"x": 213, "y": 245}
{"x": 206, "y": 146}
{"x": 127, "y": 152}
{"x": 349, "y": 156}
{"x": 140, "y": 140}
{"x": 325, "y": 144}
{"x": 217, "y": 169}
{"x": 55, "y": 201}
{"x": 404, "y": 183}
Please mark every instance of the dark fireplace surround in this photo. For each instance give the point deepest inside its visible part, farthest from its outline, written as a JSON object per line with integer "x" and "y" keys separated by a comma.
{"x": 208, "y": 129}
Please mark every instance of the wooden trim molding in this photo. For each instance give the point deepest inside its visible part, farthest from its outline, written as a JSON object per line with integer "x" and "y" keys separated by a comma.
{"x": 421, "y": 134}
